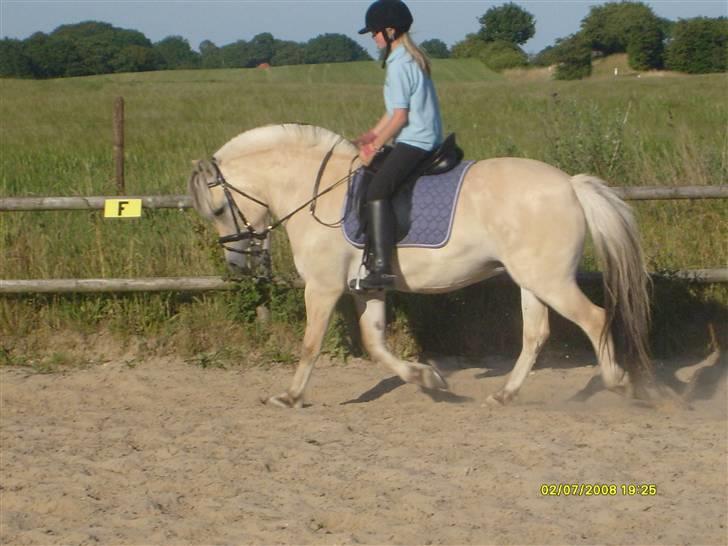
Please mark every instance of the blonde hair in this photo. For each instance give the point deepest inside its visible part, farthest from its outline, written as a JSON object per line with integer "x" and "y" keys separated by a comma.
{"x": 417, "y": 54}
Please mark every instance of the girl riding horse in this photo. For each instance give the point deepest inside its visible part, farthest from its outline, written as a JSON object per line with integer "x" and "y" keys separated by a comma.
{"x": 412, "y": 119}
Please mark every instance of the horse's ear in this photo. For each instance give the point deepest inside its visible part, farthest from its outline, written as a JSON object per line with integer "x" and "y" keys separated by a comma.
{"x": 198, "y": 189}
{"x": 206, "y": 199}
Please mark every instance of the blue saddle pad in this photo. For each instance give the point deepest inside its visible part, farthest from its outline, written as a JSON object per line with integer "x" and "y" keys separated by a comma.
{"x": 429, "y": 205}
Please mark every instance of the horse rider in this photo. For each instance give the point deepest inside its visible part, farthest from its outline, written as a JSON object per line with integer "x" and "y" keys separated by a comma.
{"x": 412, "y": 120}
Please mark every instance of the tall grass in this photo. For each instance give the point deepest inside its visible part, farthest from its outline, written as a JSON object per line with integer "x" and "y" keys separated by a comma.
{"x": 55, "y": 139}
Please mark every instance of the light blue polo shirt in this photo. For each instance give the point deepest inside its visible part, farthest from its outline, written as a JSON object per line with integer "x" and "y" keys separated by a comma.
{"x": 407, "y": 86}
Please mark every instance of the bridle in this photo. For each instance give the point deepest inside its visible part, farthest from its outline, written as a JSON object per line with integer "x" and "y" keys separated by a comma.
{"x": 244, "y": 230}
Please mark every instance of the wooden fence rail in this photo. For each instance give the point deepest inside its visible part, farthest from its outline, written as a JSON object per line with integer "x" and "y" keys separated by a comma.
{"x": 636, "y": 193}
{"x": 200, "y": 284}
{"x": 210, "y": 283}
{"x": 90, "y": 203}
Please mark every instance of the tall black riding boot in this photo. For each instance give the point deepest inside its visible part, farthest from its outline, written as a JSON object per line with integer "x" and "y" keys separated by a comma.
{"x": 381, "y": 233}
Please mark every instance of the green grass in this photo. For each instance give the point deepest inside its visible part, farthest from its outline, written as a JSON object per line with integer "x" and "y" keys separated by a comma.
{"x": 55, "y": 139}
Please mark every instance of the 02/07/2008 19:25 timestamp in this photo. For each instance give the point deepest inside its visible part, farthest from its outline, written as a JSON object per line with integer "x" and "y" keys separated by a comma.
{"x": 598, "y": 490}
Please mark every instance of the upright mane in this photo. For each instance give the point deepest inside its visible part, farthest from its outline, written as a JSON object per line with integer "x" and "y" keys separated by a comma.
{"x": 290, "y": 134}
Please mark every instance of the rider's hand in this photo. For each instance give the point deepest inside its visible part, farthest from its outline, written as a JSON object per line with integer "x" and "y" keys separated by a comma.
{"x": 367, "y": 153}
{"x": 366, "y": 138}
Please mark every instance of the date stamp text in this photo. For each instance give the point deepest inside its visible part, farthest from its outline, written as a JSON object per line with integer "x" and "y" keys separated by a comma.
{"x": 598, "y": 489}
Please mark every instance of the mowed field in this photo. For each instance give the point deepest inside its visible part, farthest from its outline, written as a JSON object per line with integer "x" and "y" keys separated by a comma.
{"x": 137, "y": 419}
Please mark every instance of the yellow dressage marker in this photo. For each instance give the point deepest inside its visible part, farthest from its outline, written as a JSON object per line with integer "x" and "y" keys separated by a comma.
{"x": 122, "y": 208}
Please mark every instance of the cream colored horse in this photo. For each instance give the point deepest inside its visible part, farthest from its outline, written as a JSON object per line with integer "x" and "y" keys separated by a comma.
{"x": 518, "y": 215}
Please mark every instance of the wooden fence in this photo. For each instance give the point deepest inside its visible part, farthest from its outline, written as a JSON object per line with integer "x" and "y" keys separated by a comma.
{"x": 199, "y": 284}
{"x": 630, "y": 193}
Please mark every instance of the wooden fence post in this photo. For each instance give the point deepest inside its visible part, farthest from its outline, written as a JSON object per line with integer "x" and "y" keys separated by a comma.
{"x": 119, "y": 145}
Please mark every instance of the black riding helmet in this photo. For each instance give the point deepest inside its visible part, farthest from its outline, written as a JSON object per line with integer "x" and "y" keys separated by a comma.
{"x": 388, "y": 14}
{"x": 384, "y": 14}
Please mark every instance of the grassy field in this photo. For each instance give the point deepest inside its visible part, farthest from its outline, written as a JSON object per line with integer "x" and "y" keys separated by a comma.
{"x": 55, "y": 139}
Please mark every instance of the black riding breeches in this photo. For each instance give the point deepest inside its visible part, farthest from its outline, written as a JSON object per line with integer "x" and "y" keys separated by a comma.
{"x": 395, "y": 170}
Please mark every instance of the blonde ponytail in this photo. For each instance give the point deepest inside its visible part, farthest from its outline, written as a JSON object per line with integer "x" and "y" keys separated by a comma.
{"x": 417, "y": 54}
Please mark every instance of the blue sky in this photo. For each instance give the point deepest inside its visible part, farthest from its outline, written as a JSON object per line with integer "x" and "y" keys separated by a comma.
{"x": 226, "y": 21}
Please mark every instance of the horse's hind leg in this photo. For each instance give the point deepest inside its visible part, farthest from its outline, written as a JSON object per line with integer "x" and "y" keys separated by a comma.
{"x": 535, "y": 333}
{"x": 372, "y": 322}
{"x": 319, "y": 305}
{"x": 568, "y": 300}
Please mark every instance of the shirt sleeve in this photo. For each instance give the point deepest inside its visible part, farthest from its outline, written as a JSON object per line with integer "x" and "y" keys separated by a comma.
{"x": 399, "y": 86}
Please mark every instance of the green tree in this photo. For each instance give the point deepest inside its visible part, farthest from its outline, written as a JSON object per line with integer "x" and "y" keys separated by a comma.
{"x": 645, "y": 48}
{"x": 472, "y": 46}
{"x": 175, "y": 52}
{"x": 699, "y": 46}
{"x": 236, "y": 55}
{"x": 507, "y": 23}
{"x": 14, "y": 62}
{"x": 631, "y": 27}
{"x": 546, "y": 57}
{"x": 135, "y": 58}
{"x": 261, "y": 49}
{"x": 53, "y": 56}
{"x": 496, "y": 55}
{"x": 99, "y": 44}
{"x": 333, "y": 48}
{"x": 500, "y": 55}
{"x": 609, "y": 27}
{"x": 210, "y": 55}
{"x": 574, "y": 58}
{"x": 287, "y": 53}
{"x": 436, "y": 49}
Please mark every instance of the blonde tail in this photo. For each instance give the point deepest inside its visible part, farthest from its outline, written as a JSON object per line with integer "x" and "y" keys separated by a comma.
{"x": 616, "y": 240}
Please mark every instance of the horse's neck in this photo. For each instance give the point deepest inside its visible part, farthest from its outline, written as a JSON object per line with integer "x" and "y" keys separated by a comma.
{"x": 291, "y": 181}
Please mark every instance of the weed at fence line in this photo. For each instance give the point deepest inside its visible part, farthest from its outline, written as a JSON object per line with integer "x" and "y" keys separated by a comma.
{"x": 587, "y": 140}
{"x": 212, "y": 359}
{"x": 43, "y": 362}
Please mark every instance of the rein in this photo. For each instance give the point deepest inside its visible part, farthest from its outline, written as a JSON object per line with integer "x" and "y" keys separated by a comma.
{"x": 257, "y": 237}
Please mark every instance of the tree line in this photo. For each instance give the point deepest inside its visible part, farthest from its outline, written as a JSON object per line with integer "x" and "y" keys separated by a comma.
{"x": 94, "y": 47}
{"x": 695, "y": 46}
{"x": 698, "y": 45}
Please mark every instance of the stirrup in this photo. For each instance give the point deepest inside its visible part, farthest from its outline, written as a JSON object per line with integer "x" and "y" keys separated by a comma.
{"x": 373, "y": 282}
{"x": 387, "y": 281}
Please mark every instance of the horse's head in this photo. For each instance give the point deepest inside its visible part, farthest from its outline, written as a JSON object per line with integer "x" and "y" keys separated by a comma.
{"x": 239, "y": 218}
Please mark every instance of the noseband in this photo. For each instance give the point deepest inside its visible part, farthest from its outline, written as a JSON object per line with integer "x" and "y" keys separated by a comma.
{"x": 247, "y": 231}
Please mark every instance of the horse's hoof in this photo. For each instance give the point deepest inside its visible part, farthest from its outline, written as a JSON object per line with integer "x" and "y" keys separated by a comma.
{"x": 431, "y": 378}
{"x": 622, "y": 390}
{"x": 428, "y": 377}
{"x": 284, "y": 401}
{"x": 500, "y": 399}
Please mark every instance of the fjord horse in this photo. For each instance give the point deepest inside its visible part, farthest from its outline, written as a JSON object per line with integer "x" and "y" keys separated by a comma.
{"x": 516, "y": 215}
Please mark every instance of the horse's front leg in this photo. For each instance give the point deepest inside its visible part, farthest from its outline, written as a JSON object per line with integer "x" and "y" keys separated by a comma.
{"x": 372, "y": 322}
{"x": 320, "y": 303}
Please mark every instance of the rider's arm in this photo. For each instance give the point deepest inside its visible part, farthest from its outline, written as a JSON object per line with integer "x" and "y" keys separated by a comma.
{"x": 389, "y": 127}
{"x": 386, "y": 129}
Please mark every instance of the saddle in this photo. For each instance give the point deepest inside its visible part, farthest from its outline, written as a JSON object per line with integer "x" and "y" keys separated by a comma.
{"x": 432, "y": 190}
